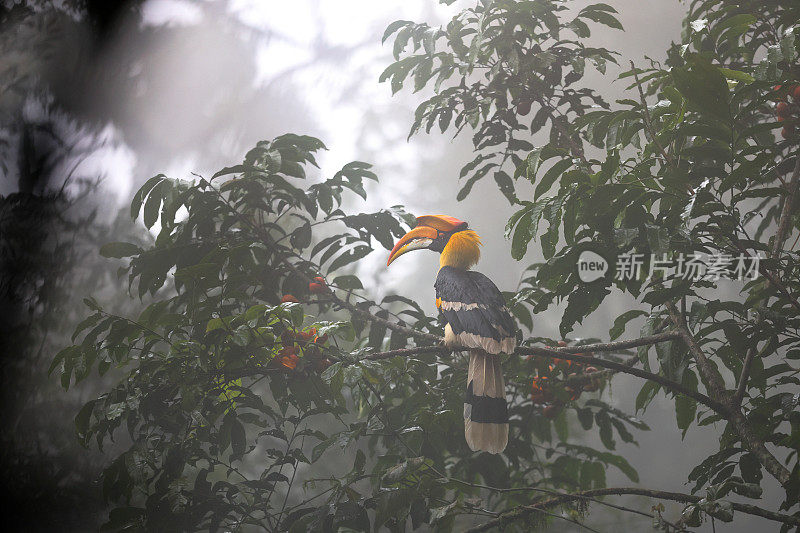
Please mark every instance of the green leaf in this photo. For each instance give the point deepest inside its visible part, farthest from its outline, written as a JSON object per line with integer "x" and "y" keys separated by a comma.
{"x": 301, "y": 237}
{"x": 685, "y": 407}
{"x": 393, "y": 27}
{"x": 737, "y": 75}
{"x": 348, "y": 282}
{"x": 704, "y": 86}
{"x": 560, "y": 425}
{"x": 141, "y": 194}
{"x": 586, "y": 418}
{"x": 238, "y": 438}
{"x": 551, "y": 176}
{"x": 153, "y": 204}
{"x": 215, "y": 324}
{"x": 604, "y": 423}
{"x": 119, "y": 249}
{"x": 350, "y": 256}
{"x": 646, "y": 395}
{"x": 522, "y": 236}
{"x": 622, "y": 320}
{"x": 531, "y": 165}
{"x": 320, "y": 448}
{"x": 603, "y": 18}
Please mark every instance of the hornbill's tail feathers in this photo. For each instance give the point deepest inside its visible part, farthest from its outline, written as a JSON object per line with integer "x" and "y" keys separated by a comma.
{"x": 485, "y": 410}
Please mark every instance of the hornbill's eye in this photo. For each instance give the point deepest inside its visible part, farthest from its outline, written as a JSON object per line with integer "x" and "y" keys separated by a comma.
{"x": 440, "y": 241}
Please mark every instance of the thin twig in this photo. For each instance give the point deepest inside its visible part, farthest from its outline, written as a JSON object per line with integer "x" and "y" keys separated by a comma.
{"x": 740, "y": 390}
{"x": 647, "y": 121}
{"x": 524, "y": 510}
{"x": 762, "y": 268}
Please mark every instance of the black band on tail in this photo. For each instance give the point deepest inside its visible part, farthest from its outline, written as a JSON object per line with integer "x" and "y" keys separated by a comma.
{"x": 486, "y": 410}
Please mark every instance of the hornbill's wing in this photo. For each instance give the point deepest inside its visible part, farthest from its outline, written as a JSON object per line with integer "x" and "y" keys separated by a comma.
{"x": 475, "y": 310}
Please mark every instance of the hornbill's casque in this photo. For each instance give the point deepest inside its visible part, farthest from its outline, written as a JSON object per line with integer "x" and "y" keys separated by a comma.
{"x": 476, "y": 318}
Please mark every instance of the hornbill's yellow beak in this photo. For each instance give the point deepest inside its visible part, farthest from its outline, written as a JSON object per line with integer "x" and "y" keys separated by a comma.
{"x": 428, "y": 228}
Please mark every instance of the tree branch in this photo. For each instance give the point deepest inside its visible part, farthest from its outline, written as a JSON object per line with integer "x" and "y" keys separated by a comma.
{"x": 524, "y": 510}
{"x": 714, "y": 381}
{"x": 716, "y": 389}
{"x": 575, "y": 353}
{"x": 621, "y": 367}
{"x": 786, "y": 212}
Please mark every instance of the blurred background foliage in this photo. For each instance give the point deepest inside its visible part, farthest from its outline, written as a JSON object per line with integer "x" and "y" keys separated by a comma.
{"x": 229, "y": 402}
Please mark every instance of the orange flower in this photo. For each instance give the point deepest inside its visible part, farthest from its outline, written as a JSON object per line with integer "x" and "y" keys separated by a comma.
{"x": 539, "y": 390}
{"x": 557, "y": 361}
{"x": 289, "y": 361}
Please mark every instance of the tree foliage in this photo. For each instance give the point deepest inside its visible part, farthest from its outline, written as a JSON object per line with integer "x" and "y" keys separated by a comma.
{"x": 263, "y": 361}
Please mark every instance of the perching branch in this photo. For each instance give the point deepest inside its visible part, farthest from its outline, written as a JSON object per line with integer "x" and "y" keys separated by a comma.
{"x": 575, "y": 353}
{"x": 621, "y": 367}
{"x": 525, "y": 510}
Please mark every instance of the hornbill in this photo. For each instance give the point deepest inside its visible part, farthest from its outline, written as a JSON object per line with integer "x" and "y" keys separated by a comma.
{"x": 476, "y": 317}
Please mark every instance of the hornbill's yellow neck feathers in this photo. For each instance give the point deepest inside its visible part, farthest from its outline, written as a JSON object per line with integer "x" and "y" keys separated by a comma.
{"x": 462, "y": 250}
{"x": 459, "y": 246}
{"x": 476, "y": 317}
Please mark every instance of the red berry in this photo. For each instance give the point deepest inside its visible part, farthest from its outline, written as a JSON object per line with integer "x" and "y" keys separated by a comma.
{"x": 782, "y": 109}
{"x": 796, "y": 93}
{"x": 289, "y": 298}
{"x": 316, "y": 288}
{"x": 320, "y": 280}
{"x": 289, "y": 361}
{"x": 776, "y": 95}
{"x": 523, "y": 108}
